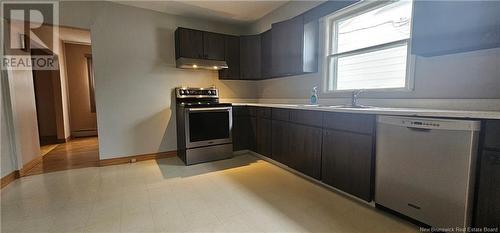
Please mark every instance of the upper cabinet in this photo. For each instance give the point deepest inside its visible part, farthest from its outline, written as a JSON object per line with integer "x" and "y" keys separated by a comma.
{"x": 213, "y": 46}
{"x": 232, "y": 57}
{"x": 250, "y": 57}
{"x": 266, "y": 45}
{"x": 446, "y": 27}
{"x": 190, "y": 43}
{"x": 294, "y": 47}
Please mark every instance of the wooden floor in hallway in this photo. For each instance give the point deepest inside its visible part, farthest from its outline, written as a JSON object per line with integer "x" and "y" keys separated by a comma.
{"x": 77, "y": 153}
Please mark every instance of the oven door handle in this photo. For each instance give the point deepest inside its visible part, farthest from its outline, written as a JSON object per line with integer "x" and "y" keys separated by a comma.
{"x": 209, "y": 109}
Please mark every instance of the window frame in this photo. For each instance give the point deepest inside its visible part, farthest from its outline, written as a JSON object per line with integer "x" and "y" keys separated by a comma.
{"x": 331, "y": 29}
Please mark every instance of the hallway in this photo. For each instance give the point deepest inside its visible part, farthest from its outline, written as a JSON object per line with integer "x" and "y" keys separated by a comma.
{"x": 77, "y": 153}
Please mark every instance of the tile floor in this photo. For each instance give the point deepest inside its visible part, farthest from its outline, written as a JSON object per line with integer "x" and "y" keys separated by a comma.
{"x": 243, "y": 194}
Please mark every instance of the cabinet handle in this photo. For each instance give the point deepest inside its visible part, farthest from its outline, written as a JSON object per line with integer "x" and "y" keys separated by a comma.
{"x": 419, "y": 129}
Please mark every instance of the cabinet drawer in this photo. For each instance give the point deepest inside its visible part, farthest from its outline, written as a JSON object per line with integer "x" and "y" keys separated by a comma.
{"x": 492, "y": 134}
{"x": 281, "y": 114}
{"x": 264, "y": 112}
{"x": 360, "y": 123}
{"x": 252, "y": 111}
{"x": 312, "y": 118}
{"x": 240, "y": 111}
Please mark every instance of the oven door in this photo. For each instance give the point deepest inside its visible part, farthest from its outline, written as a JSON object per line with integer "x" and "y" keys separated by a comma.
{"x": 208, "y": 126}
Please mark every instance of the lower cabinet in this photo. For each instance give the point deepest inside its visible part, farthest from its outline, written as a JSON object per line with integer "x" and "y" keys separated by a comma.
{"x": 280, "y": 141}
{"x": 347, "y": 162}
{"x": 305, "y": 149}
{"x": 240, "y": 132}
{"x": 264, "y": 136}
{"x": 244, "y": 129}
{"x": 252, "y": 140}
{"x": 244, "y": 132}
{"x": 488, "y": 201}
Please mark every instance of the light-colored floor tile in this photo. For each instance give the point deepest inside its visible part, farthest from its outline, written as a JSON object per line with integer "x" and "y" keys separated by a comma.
{"x": 243, "y": 194}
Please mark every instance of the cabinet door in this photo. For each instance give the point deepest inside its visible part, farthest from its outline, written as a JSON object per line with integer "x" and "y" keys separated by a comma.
{"x": 213, "y": 46}
{"x": 264, "y": 136}
{"x": 287, "y": 47}
{"x": 488, "y": 201}
{"x": 189, "y": 43}
{"x": 252, "y": 134}
{"x": 305, "y": 149}
{"x": 492, "y": 135}
{"x": 232, "y": 57}
{"x": 266, "y": 41}
{"x": 347, "y": 162}
{"x": 241, "y": 132}
{"x": 280, "y": 142}
{"x": 445, "y": 27}
{"x": 250, "y": 57}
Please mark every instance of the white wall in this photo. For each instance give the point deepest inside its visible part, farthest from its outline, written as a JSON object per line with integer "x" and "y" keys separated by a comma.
{"x": 22, "y": 112}
{"x": 472, "y": 75}
{"x": 134, "y": 61}
{"x": 8, "y": 159}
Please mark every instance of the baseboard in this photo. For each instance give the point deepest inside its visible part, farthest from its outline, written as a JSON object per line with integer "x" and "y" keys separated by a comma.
{"x": 300, "y": 174}
{"x": 47, "y": 140}
{"x": 29, "y": 165}
{"x": 129, "y": 159}
{"x": 84, "y": 133}
{"x": 9, "y": 178}
{"x": 64, "y": 140}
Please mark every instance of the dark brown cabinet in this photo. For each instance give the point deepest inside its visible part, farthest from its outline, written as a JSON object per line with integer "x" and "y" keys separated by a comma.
{"x": 266, "y": 47}
{"x": 250, "y": 56}
{"x": 347, "y": 162}
{"x": 244, "y": 132}
{"x": 294, "y": 47}
{"x": 287, "y": 37}
{"x": 264, "y": 131}
{"x": 213, "y": 46}
{"x": 487, "y": 212}
{"x": 280, "y": 142}
{"x": 232, "y": 58}
{"x": 241, "y": 132}
{"x": 188, "y": 43}
{"x": 488, "y": 201}
{"x": 305, "y": 149}
{"x": 295, "y": 142}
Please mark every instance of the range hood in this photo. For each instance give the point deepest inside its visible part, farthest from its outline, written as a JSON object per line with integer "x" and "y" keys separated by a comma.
{"x": 191, "y": 63}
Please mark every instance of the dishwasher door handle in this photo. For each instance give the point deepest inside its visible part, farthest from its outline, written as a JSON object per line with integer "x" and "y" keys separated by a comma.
{"x": 419, "y": 129}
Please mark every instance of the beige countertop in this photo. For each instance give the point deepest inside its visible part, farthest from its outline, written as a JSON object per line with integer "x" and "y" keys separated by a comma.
{"x": 418, "y": 112}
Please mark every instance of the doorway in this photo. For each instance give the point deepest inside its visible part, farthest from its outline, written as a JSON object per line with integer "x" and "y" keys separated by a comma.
{"x": 65, "y": 105}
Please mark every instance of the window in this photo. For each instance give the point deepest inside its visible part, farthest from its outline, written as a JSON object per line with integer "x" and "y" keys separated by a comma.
{"x": 369, "y": 47}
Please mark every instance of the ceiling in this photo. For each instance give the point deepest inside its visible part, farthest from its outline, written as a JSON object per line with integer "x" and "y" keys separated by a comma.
{"x": 228, "y": 11}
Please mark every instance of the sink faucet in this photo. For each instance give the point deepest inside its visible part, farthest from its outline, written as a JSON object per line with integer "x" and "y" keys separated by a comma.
{"x": 355, "y": 96}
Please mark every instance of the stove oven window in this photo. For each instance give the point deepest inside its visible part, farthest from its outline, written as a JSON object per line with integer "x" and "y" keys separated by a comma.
{"x": 205, "y": 126}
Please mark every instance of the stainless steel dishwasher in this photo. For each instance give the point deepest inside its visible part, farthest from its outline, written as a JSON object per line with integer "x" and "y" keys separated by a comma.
{"x": 425, "y": 168}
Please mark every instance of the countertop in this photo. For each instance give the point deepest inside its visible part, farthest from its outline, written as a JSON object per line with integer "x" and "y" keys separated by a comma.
{"x": 418, "y": 112}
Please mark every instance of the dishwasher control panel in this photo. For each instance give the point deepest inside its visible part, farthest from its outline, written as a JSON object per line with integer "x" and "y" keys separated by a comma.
{"x": 430, "y": 123}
